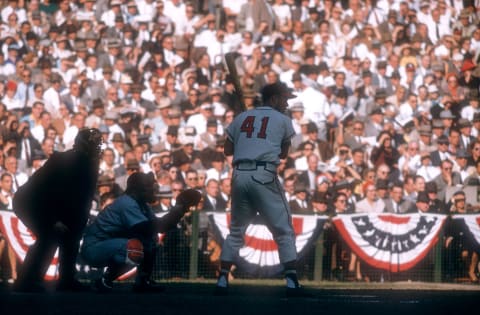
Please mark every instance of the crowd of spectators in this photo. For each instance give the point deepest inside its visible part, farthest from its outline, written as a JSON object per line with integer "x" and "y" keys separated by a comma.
{"x": 386, "y": 110}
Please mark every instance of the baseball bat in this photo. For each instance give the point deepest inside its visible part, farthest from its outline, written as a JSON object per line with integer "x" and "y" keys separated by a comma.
{"x": 232, "y": 61}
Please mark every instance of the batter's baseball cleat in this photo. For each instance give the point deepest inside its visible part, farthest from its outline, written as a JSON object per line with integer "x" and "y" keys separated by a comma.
{"x": 103, "y": 285}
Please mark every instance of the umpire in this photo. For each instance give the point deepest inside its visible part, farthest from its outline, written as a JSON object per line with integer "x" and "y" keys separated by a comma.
{"x": 54, "y": 204}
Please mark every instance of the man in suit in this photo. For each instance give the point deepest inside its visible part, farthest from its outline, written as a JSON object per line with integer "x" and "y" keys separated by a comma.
{"x": 447, "y": 178}
{"x": 299, "y": 203}
{"x": 108, "y": 59}
{"x": 358, "y": 161}
{"x": 212, "y": 201}
{"x": 321, "y": 147}
{"x": 308, "y": 178}
{"x": 73, "y": 99}
{"x": 26, "y": 146}
{"x": 395, "y": 203}
{"x": 137, "y": 102}
{"x": 375, "y": 124}
{"x": 465, "y": 127}
{"x": 257, "y": 11}
{"x": 436, "y": 206}
{"x": 441, "y": 153}
{"x": 354, "y": 139}
{"x": 386, "y": 28}
{"x": 116, "y": 31}
{"x": 380, "y": 79}
{"x": 99, "y": 88}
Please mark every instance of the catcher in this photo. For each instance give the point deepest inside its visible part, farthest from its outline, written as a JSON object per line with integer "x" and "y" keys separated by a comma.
{"x": 125, "y": 233}
{"x": 54, "y": 204}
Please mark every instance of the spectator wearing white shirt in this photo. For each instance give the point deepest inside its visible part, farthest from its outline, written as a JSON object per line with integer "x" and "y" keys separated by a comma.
{"x": 13, "y": 7}
{"x": 169, "y": 51}
{"x": 306, "y": 149}
{"x": 410, "y": 161}
{"x": 436, "y": 29}
{"x": 19, "y": 178}
{"x": 147, "y": 8}
{"x": 77, "y": 123}
{"x": 10, "y": 101}
{"x": 297, "y": 112}
{"x": 108, "y": 17}
{"x": 409, "y": 108}
{"x": 426, "y": 169}
{"x": 174, "y": 8}
{"x": 188, "y": 23}
{"x": 218, "y": 48}
{"x": 472, "y": 108}
{"x": 370, "y": 204}
{"x": 52, "y": 95}
{"x": 199, "y": 121}
{"x": 206, "y": 35}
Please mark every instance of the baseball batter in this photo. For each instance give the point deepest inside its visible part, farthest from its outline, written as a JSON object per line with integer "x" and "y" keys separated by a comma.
{"x": 258, "y": 139}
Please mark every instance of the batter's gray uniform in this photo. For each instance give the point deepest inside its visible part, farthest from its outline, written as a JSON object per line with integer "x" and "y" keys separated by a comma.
{"x": 257, "y": 136}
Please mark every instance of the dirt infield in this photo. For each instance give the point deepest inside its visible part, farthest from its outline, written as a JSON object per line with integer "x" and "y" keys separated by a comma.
{"x": 254, "y": 297}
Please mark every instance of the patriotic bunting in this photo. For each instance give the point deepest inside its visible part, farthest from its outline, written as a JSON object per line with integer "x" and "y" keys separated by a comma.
{"x": 385, "y": 241}
{"x": 259, "y": 257}
{"x": 390, "y": 242}
{"x": 20, "y": 238}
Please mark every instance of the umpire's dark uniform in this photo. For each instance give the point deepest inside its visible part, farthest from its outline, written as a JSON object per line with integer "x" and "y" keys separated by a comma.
{"x": 60, "y": 191}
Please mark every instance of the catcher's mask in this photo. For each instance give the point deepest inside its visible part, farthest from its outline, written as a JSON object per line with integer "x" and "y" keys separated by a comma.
{"x": 89, "y": 140}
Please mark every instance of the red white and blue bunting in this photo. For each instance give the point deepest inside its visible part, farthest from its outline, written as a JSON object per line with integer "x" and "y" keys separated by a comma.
{"x": 20, "y": 238}
{"x": 388, "y": 241}
{"x": 259, "y": 257}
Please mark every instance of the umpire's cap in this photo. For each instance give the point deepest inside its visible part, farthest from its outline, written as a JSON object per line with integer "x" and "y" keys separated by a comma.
{"x": 277, "y": 88}
{"x": 89, "y": 140}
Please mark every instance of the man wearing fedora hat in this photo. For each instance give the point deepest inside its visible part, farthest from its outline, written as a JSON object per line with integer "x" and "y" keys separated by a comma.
{"x": 462, "y": 166}
{"x": 465, "y": 127}
{"x": 299, "y": 203}
{"x": 164, "y": 199}
{"x": 131, "y": 166}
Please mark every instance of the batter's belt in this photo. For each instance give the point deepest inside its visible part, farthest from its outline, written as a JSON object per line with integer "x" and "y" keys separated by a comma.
{"x": 254, "y": 165}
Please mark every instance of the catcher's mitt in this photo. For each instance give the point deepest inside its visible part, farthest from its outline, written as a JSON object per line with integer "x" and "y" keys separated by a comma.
{"x": 189, "y": 198}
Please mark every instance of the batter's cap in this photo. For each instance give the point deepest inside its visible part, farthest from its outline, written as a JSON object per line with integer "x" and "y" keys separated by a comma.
{"x": 277, "y": 88}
